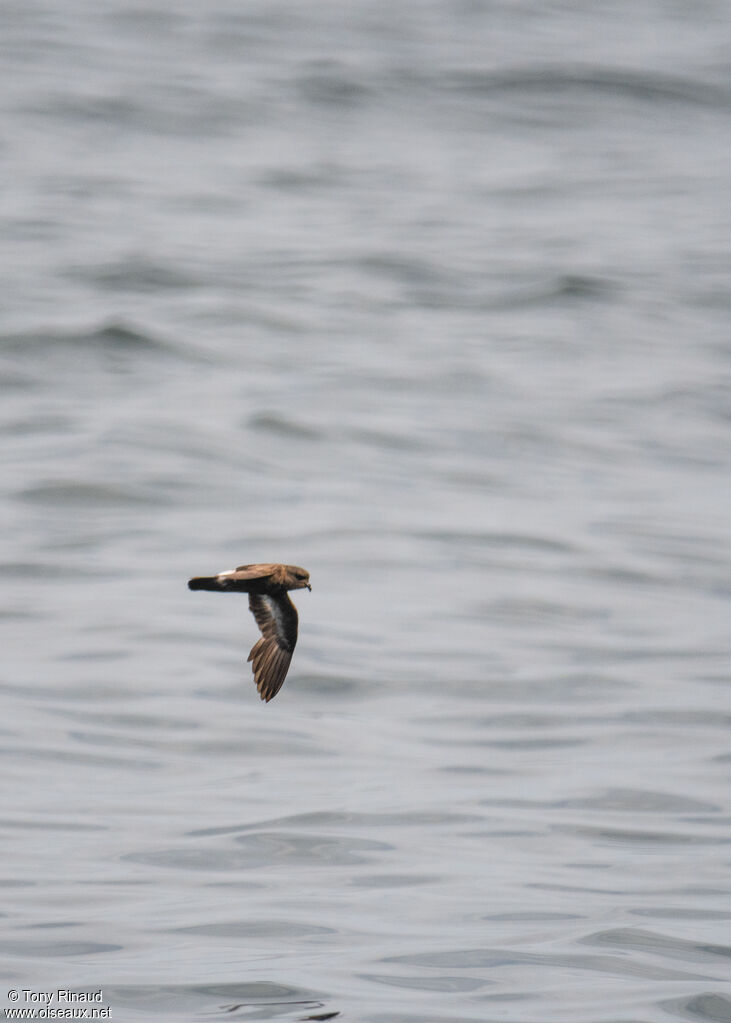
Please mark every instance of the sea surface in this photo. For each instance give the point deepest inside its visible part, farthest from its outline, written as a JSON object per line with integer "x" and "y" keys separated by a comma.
{"x": 433, "y": 299}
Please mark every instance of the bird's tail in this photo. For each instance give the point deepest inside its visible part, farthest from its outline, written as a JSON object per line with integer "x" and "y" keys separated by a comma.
{"x": 208, "y": 582}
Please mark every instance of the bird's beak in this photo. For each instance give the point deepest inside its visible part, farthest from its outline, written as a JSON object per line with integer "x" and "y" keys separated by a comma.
{"x": 309, "y": 587}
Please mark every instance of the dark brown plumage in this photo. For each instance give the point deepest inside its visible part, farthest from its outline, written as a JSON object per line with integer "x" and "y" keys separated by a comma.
{"x": 275, "y": 615}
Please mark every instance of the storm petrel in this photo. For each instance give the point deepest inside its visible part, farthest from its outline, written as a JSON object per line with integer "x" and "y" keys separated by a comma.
{"x": 275, "y": 615}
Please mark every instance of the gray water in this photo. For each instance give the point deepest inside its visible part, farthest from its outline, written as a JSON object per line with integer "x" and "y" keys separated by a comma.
{"x": 431, "y": 299}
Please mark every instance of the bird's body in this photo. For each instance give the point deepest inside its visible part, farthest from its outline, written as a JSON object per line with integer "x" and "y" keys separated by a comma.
{"x": 275, "y": 614}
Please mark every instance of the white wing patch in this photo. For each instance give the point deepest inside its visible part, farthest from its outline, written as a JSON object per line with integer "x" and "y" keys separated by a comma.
{"x": 275, "y": 610}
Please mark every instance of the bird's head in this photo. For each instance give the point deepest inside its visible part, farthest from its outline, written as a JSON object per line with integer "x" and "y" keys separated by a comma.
{"x": 297, "y": 578}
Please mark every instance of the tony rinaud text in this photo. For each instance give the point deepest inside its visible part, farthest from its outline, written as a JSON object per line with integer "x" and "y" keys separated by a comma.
{"x": 62, "y": 995}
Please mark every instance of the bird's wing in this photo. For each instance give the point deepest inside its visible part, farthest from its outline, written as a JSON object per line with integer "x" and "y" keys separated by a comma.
{"x": 276, "y": 617}
{"x": 240, "y": 580}
{"x": 252, "y": 571}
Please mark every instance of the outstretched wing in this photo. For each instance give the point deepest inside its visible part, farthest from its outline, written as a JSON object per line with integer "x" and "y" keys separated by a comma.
{"x": 242, "y": 579}
{"x": 256, "y": 571}
{"x": 276, "y": 617}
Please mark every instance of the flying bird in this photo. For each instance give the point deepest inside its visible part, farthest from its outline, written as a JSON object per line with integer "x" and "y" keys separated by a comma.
{"x": 275, "y": 615}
